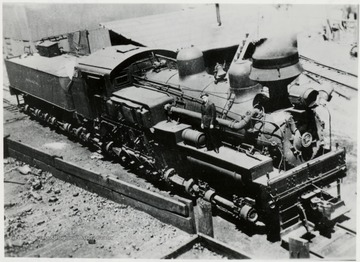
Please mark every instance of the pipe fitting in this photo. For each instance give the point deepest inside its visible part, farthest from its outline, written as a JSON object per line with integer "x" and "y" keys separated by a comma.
{"x": 233, "y": 124}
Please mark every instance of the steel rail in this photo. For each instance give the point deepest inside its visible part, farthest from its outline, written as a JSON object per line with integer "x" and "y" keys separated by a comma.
{"x": 327, "y": 66}
{"x": 333, "y": 69}
{"x": 332, "y": 80}
{"x": 345, "y": 230}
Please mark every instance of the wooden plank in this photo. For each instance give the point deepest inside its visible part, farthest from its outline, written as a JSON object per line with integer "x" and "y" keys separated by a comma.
{"x": 92, "y": 181}
{"x": 152, "y": 250}
{"x": 205, "y": 222}
{"x": 122, "y": 187}
{"x": 183, "y": 223}
{"x": 31, "y": 151}
{"x": 190, "y": 207}
{"x": 6, "y": 146}
{"x": 77, "y": 171}
{"x": 21, "y": 157}
{"x": 211, "y": 243}
{"x": 298, "y": 248}
{"x": 222, "y": 248}
{"x": 44, "y": 167}
{"x": 151, "y": 198}
{"x": 183, "y": 248}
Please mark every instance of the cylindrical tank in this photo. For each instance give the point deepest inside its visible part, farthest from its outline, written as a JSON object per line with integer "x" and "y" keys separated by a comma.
{"x": 239, "y": 74}
{"x": 302, "y": 97}
{"x": 194, "y": 138}
{"x": 190, "y": 61}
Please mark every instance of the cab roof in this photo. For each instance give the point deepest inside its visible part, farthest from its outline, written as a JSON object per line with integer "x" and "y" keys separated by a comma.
{"x": 107, "y": 59}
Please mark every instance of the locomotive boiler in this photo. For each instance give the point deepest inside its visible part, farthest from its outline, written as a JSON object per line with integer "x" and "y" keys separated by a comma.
{"x": 276, "y": 164}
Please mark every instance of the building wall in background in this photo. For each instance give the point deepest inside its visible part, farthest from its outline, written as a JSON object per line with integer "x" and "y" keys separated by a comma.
{"x": 36, "y": 21}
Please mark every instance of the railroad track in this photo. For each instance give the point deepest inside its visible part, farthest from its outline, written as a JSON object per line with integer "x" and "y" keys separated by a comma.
{"x": 343, "y": 81}
{"x": 342, "y": 244}
{"x": 9, "y": 106}
{"x": 339, "y": 243}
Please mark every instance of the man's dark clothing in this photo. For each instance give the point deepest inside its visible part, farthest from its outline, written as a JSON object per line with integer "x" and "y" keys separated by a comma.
{"x": 208, "y": 114}
{"x": 208, "y": 117}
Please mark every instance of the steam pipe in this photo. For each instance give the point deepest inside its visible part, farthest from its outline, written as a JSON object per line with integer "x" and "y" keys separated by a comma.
{"x": 327, "y": 109}
{"x": 222, "y": 171}
{"x": 235, "y": 125}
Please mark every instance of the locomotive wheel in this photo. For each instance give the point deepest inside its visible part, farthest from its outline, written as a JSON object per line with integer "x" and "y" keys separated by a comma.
{"x": 46, "y": 117}
{"x": 52, "y": 121}
{"x": 124, "y": 159}
{"x": 26, "y": 109}
{"x": 108, "y": 148}
{"x": 78, "y": 132}
{"x": 38, "y": 113}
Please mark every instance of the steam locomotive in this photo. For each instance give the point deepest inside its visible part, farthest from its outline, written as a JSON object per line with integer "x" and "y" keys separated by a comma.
{"x": 275, "y": 165}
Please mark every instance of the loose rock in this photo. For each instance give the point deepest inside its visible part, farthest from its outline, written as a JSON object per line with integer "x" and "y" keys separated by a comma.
{"x": 24, "y": 169}
{"x": 40, "y": 222}
{"x": 91, "y": 241}
{"x": 36, "y": 196}
{"x": 36, "y": 185}
{"x": 18, "y": 243}
{"x": 53, "y": 199}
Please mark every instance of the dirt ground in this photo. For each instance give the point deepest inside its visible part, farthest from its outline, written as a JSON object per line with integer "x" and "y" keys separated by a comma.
{"x": 71, "y": 222}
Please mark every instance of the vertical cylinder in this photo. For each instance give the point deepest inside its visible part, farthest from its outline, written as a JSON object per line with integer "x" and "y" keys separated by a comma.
{"x": 218, "y": 14}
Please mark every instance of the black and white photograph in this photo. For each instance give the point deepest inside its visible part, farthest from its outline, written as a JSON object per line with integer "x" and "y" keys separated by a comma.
{"x": 201, "y": 131}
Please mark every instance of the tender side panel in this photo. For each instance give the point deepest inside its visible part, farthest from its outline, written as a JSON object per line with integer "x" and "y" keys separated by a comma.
{"x": 48, "y": 87}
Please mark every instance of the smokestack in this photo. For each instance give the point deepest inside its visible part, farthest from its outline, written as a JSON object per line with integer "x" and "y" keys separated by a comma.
{"x": 275, "y": 65}
{"x": 276, "y": 59}
{"x": 218, "y": 14}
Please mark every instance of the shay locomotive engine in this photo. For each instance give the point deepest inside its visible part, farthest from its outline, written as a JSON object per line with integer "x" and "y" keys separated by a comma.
{"x": 142, "y": 106}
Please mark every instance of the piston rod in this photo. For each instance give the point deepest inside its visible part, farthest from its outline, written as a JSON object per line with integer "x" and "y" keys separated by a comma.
{"x": 230, "y": 174}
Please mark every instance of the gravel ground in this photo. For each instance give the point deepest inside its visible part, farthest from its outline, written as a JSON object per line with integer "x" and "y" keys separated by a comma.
{"x": 46, "y": 217}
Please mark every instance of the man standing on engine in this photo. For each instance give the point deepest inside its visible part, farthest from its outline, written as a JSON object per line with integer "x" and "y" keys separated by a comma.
{"x": 208, "y": 119}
